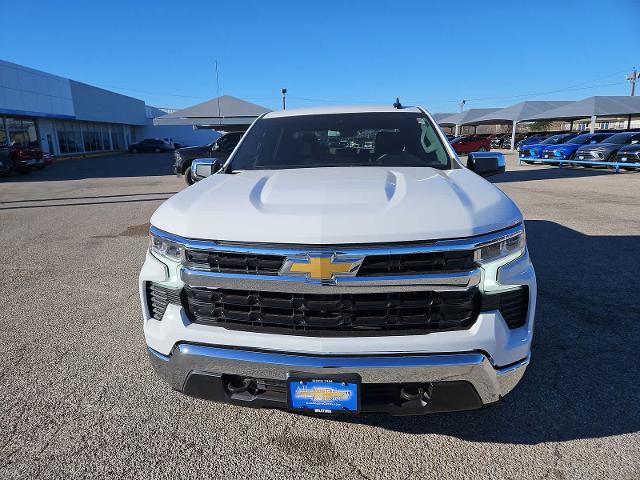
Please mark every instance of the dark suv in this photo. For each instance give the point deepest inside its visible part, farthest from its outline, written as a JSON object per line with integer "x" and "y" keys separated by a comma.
{"x": 220, "y": 149}
{"x": 150, "y": 145}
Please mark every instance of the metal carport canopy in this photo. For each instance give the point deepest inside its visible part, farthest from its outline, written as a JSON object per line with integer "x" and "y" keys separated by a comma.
{"x": 605, "y": 106}
{"x": 516, "y": 113}
{"x": 217, "y": 113}
{"x": 593, "y": 107}
{"x": 439, "y": 116}
{"x": 465, "y": 117}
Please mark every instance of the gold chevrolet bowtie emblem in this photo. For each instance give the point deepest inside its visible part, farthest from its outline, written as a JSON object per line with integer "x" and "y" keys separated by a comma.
{"x": 321, "y": 266}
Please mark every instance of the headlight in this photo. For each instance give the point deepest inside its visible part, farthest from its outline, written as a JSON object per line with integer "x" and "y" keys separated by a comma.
{"x": 166, "y": 248}
{"x": 501, "y": 248}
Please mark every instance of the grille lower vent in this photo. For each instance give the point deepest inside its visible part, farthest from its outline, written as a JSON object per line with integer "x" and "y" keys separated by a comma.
{"x": 159, "y": 297}
{"x": 513, "y": 305}
{"x": 338, "y": 314}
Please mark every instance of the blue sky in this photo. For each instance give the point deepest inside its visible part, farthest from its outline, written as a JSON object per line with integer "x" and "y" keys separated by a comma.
{"x": 493, "y": 53}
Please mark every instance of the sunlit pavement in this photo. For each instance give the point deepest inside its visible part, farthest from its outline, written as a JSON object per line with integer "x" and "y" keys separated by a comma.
{"x": 79, "y": 399}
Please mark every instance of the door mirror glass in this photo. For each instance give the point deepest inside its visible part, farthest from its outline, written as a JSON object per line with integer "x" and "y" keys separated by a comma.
{"x": 204, "y": 167}
{"x": 486, "y": 164}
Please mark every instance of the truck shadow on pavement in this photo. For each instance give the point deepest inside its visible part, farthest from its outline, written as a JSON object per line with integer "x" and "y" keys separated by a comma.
{"x": 583, "y": 379}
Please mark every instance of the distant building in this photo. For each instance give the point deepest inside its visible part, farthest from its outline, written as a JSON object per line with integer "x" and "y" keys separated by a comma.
{"x": 63, "y": 116}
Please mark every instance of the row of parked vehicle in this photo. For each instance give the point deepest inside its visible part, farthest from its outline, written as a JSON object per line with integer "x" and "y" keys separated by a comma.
{"x": 17, "y": 159}
{"x": 156, "y": 145}
{"x": 620, "y": 147}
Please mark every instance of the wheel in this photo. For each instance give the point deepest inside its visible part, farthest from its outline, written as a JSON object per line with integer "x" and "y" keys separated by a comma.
{"x": 187, "y": 176}
{"x": 134, "y": 150}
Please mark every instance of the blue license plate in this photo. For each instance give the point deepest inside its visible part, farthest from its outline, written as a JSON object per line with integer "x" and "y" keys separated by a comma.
{"x": 324, "y": 395}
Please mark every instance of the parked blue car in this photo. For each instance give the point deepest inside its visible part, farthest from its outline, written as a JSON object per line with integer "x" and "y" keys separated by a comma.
{"x": 568, "y": 150}
{"x": 533, "y": 152}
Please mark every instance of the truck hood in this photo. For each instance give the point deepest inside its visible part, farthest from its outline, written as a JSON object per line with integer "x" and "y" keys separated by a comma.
{"x": 199, "y": 148}
{"x": 599, "y": 147}
{"x": 338, "y": 206}
{"x": 630, "y": 148}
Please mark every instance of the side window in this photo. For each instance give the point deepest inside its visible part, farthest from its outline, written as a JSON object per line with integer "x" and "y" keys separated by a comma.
{"x": 228, "y": 142}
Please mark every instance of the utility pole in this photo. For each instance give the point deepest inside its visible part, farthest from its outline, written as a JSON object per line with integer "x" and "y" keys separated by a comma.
{"x": 284, "y": 98}
{"x": 632, "y": 77}
{"x": 457, "y": 129}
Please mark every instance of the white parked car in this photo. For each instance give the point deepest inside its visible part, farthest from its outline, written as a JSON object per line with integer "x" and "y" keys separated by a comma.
{"x": 315, "y": 276}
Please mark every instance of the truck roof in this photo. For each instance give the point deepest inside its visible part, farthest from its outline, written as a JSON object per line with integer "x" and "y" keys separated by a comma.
{"x": 340, "y": 109}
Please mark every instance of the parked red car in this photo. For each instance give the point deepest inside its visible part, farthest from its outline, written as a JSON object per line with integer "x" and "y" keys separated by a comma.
{"x": 471, "y": 143}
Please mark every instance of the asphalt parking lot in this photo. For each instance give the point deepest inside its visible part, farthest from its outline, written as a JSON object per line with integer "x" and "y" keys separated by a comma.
{"x": 79, "y": 399}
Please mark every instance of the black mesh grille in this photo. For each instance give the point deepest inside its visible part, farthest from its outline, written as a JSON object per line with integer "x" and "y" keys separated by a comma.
{"x": 417, "y": 263}
{"x": 339, "y": 314}
{"x": 159, "y": 297}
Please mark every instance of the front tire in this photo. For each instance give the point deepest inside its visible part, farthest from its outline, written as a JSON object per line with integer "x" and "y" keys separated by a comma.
{"x": 187, "y": 176}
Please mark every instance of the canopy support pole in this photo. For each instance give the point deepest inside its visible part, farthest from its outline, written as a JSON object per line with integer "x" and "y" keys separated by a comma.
{"x": 457, "y": 130}
{"x": 629, "y": 123}
{"x": 513, "y": 135}
{"x": 571, "y": 126}
{"x": 592, "y": 124}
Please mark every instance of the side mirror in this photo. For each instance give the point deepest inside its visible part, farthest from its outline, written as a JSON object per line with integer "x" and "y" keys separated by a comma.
{"x": 204, "y": 167}
{"x": 486, "y": 164}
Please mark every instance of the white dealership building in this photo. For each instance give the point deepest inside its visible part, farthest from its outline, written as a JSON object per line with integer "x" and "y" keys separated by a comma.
{"x": 66, "y": 117}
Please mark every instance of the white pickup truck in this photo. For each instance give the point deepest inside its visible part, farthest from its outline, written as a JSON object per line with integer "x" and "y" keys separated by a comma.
{"x": 341, "y": 260}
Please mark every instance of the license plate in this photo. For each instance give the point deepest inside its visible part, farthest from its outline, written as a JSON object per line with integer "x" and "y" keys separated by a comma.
{"x": 546, "y": 155}
{"x": 623, "y": 159}
{"x": 581, "y": 157}
{"x": 324, "y": 394}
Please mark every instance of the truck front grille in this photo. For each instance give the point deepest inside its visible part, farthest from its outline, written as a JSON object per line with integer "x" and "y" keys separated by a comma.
{"x": 228, "y": 262}
{"x": 373, "y": 265}
{"x": 417, "y": 263}
{"x": 333, "y": 314}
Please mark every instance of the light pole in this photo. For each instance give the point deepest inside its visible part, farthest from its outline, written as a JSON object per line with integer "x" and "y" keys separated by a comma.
{"x": 284, "y": 98}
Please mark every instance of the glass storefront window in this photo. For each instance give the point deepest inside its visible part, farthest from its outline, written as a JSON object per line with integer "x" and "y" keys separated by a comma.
{"x": 22, "y": 132}
{"x": 89, "y": 137}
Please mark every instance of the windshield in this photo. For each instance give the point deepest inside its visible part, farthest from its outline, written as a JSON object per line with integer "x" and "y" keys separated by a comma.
{"x": 582, "y": 139}
{"x": 555, "y": 139}
{"x": 392, "y": 139}
{"x": 621, "y": 138}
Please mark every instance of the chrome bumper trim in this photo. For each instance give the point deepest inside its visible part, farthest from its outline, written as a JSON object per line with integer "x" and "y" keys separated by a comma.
{"x": 296, "y": 284}
{"x": 491, "y": 383}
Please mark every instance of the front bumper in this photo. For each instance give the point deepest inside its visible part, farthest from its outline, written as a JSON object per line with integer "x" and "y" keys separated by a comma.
{"x": 460, "y": 381}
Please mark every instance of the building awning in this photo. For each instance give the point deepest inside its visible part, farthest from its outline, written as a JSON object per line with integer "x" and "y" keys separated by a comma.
{"x": 516, "y": 113}
{"x": 223, "y": 113}
{"x": 606, "y": 106}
